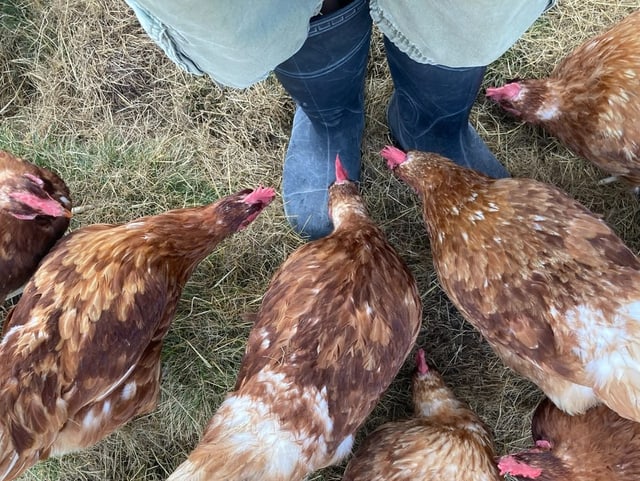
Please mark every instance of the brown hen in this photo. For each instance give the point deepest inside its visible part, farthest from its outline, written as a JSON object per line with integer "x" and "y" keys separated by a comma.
{"x": 548, "y": 284}
{"x": 598, "y": 445}
{"x": 591, "y": 100}
{"x": 81, "y": 353}
{"x": 336, "y": 323}
{"x": 444, "y": 441}
{"x": 34, "y": 213}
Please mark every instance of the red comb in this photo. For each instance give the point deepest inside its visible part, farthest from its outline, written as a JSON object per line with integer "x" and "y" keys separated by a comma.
{"x": 421, "y": 363}
{"x": 393, "y": 156}
{"x": 510, "y": 465}
{"x": 506, "y": 92}
{"x": 341, "y": 173}
{"x": 543, "y": 444}
{"x": 261, "y": 195}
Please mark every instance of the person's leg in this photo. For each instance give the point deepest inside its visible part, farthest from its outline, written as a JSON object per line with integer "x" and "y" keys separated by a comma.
{"x": 437, "y": 52}
{"x": 429, "y": 111}
{"x": 326, "y": 80}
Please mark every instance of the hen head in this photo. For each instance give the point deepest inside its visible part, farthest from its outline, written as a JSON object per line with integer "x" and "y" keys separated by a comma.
{"x": 532, "y": 100}
{"x": 509, "y": 97}
{"x": 27, "y": 196}
{"x": 429, "y": 388}
{"x": 426, "y": 172}
{"x": 344, "y": 199}
{"x": 539, "y": 463}
{"x": 237, "y": 211}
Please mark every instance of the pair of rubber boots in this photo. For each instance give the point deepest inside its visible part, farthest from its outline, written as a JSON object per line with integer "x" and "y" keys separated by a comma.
{"x": 429, "y": 110}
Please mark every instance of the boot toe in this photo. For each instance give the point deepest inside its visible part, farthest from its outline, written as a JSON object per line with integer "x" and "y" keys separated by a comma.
{"x": 309, "y": 169}
{"x": 307, "y": 212}
{"x": 474, "y": 153}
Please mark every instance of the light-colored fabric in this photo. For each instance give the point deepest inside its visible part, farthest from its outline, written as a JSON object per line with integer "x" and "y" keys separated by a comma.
{"x": 238, "y": 42}
{"x": 455, "y": 34}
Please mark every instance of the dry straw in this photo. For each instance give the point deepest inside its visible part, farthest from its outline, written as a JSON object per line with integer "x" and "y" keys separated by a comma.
{"x": 83, "y": 91}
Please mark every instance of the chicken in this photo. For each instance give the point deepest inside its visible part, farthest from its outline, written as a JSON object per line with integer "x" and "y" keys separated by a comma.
{"x": 445, "y": 440}
{"x": 335, "y": 325}
{"x": 547, "y": 283}
{"x": 81, "y": 353}
{"x": 34, "y": 213}
{"x": 591, "y": 100}
{"x": 598, "y": 445}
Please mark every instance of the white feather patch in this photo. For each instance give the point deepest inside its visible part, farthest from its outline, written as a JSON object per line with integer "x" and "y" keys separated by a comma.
{"x": 251, "y": 425}
{"x": 605, "y": 344}
{"x": 129, "y": 390}
{"x": 547, "y": 112}
{"x": 134, "y": 225}
{"x": 253, "y": 422}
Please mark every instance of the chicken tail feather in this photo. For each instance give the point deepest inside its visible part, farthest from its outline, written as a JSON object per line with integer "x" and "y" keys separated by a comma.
{"x": 243, "y": 442}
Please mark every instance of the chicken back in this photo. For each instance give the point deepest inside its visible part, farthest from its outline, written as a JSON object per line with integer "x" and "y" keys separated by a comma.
{"x": 444, "y": 440}
{"x": 548, "y": 284}
{"x": 81, "y": 353}
{"x": 34, "y": 213}
{"x": 335, "y": 325}
{"x": 598, "y": 445}
{"x": 591, "y": 100}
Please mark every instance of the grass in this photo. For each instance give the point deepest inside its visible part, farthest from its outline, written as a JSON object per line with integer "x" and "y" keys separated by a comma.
{"x": 84, "y": 92}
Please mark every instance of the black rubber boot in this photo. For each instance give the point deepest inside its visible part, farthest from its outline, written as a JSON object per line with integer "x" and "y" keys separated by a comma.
{"x": 326, "y": 80}
{"x": 429, "y": 111}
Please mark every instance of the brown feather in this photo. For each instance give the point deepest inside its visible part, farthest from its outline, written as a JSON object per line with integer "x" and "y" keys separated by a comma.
{"x": 548, "y": 284}
{"x": 335, "y": 324}
{"x": 444, "y": 440}
{"x": 598, "y": 445}
{"x": 591, "y": 100}
{"x": 23, "y": 243}
{"x": 82, "y": 346}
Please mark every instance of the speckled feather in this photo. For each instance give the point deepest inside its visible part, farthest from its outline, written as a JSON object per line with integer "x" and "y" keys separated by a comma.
{"x": 598, "y": 445}
{"x": 591, "y": 100}
{"x": 23, "y": 243}
{"x": 82, "y": 346}
{"x": 444, "y": 440}
{"x": 548, "y": 284}
{"x": 336, "y": 323}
